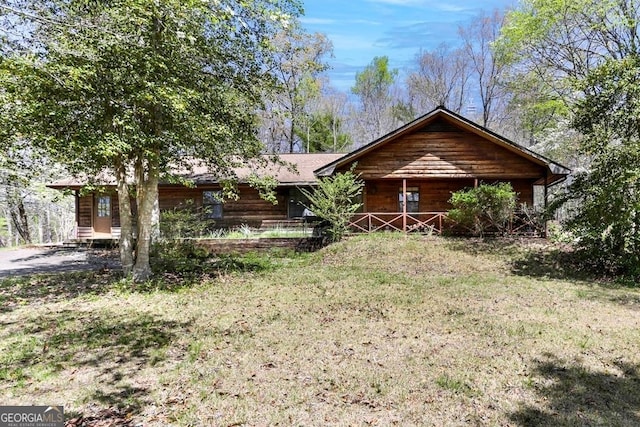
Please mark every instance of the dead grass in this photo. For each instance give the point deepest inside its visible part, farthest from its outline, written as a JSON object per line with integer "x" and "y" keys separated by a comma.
{"x": 377, "y": 330}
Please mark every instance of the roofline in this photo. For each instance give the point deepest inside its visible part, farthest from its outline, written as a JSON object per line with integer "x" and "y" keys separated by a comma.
{"x": 77, "y": 187}
{"x": 554, "y": 167}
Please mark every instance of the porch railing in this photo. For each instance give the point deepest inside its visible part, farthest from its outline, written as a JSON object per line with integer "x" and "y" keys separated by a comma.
{"x": 370, "y": 222}
{"x": 435, "y": 223}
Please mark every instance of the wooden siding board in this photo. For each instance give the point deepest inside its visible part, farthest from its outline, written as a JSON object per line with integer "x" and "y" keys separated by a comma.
{"x": 443, "y": 155}
{"x": 382, "y": 195}
{"x": 249, "y": 209}
{"x": 85, "y": 211}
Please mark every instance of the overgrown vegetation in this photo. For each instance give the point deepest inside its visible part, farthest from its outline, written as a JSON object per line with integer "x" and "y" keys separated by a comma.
{"x": 381, "y": 329}
{"x": 584, "y": 55}
{"x": 333, "y": 199}
{"x": 483, "y": 208}
{"x": 186, "y": 220}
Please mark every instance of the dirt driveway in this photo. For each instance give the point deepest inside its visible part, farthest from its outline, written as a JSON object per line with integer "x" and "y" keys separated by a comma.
{"x": 38, "y": 260}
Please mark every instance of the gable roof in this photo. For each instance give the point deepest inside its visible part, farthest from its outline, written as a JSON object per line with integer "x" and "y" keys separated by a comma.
{"x": 555, "y": 171}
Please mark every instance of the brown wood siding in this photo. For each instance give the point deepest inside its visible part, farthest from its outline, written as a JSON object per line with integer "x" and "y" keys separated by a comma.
{"x": 249, "y": 209}
{"x": 85, "y": 211}
{"x": 115, "y": 212}
{"x": 524, "y": 188}
{"x": 382, "y": 195}
{"x": 458, "y": 154}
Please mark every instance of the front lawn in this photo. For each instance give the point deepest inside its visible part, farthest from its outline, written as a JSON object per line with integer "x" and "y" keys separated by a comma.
{"x": 384, "y": 329}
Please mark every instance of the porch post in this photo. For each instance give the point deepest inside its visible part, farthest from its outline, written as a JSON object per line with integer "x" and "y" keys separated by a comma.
{"x": 546, "y": 195}
{"x": 404, "y": 204}
{"x": 77, "y": 222}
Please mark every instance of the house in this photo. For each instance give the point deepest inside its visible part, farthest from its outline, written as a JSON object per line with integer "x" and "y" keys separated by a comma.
{"x": 421, "y": 163}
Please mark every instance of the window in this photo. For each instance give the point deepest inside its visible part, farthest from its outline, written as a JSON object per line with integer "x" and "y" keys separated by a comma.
{"x": 212, "y": 204}
{"x": 297, "y": 200}
{"x": 104, "y": 206}
{"x": 413, "y": 199}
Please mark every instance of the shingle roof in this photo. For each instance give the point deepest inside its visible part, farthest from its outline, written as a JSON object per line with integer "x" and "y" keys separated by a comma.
{"x": 296, "y": 169}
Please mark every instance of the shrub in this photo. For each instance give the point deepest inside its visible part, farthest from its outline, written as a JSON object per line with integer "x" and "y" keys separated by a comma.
{"x": 178, "y": 256}
{"x": 484, "y": 207}
{"x": 185, "y": 220}
{"x": 333, "y": 201}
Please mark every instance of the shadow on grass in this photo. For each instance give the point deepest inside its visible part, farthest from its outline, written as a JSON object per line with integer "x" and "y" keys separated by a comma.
{"x": 51, "y": 288}
{"x": 531, "y": 257}
{"x": 577, "y": 396}
{"x": 552, "y": 263}
{"x": 109, "y": 348}
{"x": 170, "y": 275}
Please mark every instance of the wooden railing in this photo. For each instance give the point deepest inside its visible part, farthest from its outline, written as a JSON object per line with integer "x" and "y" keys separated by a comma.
{"x": 435, "y": 223}
{"x": 431, "y": 222}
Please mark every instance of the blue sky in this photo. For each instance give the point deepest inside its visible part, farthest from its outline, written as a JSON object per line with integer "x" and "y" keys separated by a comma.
{"x": 363, "y": 29}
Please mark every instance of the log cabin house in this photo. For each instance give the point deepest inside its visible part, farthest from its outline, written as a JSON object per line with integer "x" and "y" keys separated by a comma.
{"x": 421, "y": 163}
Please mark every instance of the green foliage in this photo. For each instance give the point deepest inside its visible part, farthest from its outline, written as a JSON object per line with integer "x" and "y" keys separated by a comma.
{"x": 322, "y": 134}
{"x": 179, "y": 256}
{"x": 607, "y": 219}
{"x": 186, "y": 220}
{"x": 299, "y": 61}
{"x": 333, "y": 201}
{"x": 136, "y": 89}
{"x": 484, "y": 207}
{"x": 266, "y": 186}
{"x": 587, "y": 53}
{"x": 375, "y": 79}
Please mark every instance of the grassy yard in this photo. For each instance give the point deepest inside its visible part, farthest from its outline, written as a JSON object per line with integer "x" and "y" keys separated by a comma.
{"x": 376, "y": 330}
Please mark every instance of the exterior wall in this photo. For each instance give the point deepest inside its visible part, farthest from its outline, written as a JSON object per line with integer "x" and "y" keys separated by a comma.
{"x": 445, "y": 152}
{"x": 382, "y": 195}
{"x": 85, "y": 211}
{"x": 249, "y": 209}
{"x": 84, "y": 217}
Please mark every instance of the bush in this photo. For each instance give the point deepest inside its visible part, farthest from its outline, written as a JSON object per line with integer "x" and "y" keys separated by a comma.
{"x": 333, "y": 201}
{"x": 178, "y": 256}
{"x": 185, "y": 220}
{"x": 484, "y": 207}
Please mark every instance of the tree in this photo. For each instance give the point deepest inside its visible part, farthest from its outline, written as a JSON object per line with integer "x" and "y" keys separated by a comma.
{"x": 372, "y": 87}
{"x": 321, "y": 134}
{"x": 298, "y": 61}
{"x": 488, "y": 69}
{"x": 333, "y": 200}
{"x": 589, "y": 49}
{"x": 441, "y": 79}
{"x": 137, "y": 89}
{"x": 607, "y": 219}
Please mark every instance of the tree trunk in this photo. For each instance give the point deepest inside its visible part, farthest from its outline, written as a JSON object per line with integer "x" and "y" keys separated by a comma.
{"x": 18, "y": 213}
{"x": 126, "y": 223}
{"x": 147, "y": 194}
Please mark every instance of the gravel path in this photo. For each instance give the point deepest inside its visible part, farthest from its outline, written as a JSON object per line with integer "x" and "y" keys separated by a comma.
{"x": 38, "y": 260}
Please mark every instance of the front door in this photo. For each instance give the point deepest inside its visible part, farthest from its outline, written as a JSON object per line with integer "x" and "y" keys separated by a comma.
{"x": 102, "y": 218}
